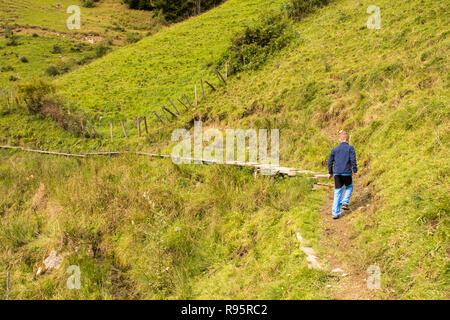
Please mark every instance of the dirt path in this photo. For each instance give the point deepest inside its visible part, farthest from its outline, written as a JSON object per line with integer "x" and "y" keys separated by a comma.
{"x": 341, "y": 250}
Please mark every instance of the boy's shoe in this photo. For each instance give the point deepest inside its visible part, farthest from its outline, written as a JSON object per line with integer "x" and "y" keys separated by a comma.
{"x": 345, "y": 206}
{"x": 335, "y": 217}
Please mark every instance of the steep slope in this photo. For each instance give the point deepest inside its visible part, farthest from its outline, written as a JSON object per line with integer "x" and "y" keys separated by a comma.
{"x": 388, "y": 87}
{"x": 140, "y": 77}
{"x": 107, "y": 20}
{"x": 140, "y": 228}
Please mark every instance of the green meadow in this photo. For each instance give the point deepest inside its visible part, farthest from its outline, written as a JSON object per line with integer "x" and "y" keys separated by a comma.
{"x": 216, "y": 231}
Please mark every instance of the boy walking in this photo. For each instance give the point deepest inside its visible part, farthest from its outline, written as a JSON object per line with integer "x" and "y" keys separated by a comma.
{"x": 341, "y": 165}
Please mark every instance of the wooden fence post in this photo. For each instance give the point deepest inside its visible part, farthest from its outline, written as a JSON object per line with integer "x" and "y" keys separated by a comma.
{"x": 138, "y": 120}
{"x": 226, "y": 70}
{"x": 82, "y": 127}
{"x": 219, "y": 75}
{"x": 187, "y": 99}
{"x": 124, "y": 130}
{"x": 165, "y": 114}
{"x": 157, "y": 115}
{"x": 182, "y": 104}
{"x": 203, "y": 91}
{"x": 111, "y": 130}
{"x": 170, "y": 111}
{"x": 94, "y": 132}
{"x": 145, "y": 124}
{"x": 195, "y": 91}
{"x": 209, "y": 84}
{"x": 173, "y": 105}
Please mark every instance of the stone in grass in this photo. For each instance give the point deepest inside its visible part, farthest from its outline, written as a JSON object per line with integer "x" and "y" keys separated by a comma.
{"x": 313, "y": 263}
{"x": 308, "y": 251}
{"x": 52, "y": 262}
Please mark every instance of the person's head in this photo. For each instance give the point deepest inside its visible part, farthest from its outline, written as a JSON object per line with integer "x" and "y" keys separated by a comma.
{"x": 343, "y": 136}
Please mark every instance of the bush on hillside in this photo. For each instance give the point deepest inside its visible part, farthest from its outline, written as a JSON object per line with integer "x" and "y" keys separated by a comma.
{"x": 298, "y": 9}
{"x": 101, "y": 50}
{"x": 38, "y": 97}
{"x": 88, "y": 3}
{"x": 52, "y": 71}
{"x": 34, "y": 93}
{"x": 6, "y": 68}
{"x": 56, "y": 49}
{"x": 133, "y": 37}
{"x": 251, "y": 47}
{"x": 174, "y": 10}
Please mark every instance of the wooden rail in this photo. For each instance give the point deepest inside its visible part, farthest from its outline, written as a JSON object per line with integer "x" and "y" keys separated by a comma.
{"x": 265, "y": 169}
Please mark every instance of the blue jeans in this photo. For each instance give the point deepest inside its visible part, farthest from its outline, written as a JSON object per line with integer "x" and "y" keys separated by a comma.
{"x": 337, "y": 202}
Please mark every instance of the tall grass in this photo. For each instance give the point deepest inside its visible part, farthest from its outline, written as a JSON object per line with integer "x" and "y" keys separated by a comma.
{"x": 139, "y": 228}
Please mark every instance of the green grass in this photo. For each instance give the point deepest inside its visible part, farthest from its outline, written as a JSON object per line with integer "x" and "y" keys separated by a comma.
{"x": 40, "y": 55}
{"x": 388, "y": 87}
{"x": 110, "y": 19}
{"x": 141, "y": 228}
{"x": 141, "y": 77}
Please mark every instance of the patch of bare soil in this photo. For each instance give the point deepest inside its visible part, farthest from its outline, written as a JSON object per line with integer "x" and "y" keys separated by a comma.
{"x": 342, "y": 251}
{"x": 84, "y": 37}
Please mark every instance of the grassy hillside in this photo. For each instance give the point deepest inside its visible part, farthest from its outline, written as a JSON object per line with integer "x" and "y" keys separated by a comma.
{"x": 388, "y": 87}
{"x": 149, "y": 229}
{"x": 139, "y": 78}
{"x": 33, "y": 55}
{"x": 108, "y": 20}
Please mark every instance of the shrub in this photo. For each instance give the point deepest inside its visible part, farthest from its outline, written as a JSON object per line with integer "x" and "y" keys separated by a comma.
{"x": 300, "y": 8}
{"x": 7, "y": 68}
{"x": 56, "y": 49}
{"x": 12, "y": 40}
{"x": 52, "y": 71}
{"x": 23, "y": 59}
{"x": 251, "y": 47}
{"x": 34, "y": 93}
{"x": 173, "y": 10}
{"x": 101, "y": 50}
{"x": 39, "y": 98}
{"x": 13, "y": 78}
{"x": 9, "y": 34}
{"x": 88, "y": 3}
{"x": 133, "y": 37}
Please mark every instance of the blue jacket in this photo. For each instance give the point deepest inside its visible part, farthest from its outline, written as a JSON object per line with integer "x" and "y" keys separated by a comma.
{"x": 344, "y": 159}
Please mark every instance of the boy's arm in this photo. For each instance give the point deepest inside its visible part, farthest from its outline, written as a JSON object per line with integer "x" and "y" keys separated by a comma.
{"x": 330, "y": 162}
{"x": 353, "y": 160}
